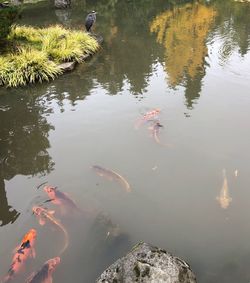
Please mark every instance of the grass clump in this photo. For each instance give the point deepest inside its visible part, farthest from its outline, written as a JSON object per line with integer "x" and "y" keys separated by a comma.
{"x": 26, "y": 66}
{"x": 39, "y": 51}
{"x": 26, "y": 33}
{"x": 66, "y": 45}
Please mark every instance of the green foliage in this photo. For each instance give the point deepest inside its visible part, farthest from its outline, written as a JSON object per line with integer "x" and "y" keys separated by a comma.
{"x": 65, "y": 45}
{"x": 7, "y": 17}
{"x": 58, "y": 43}
{"x": 27, "y": 66}
{"x": 39, "y": 51}
{"x": 25, "y": 33}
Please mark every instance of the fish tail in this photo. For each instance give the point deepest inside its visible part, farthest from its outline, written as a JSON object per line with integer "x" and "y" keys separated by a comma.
{"x": 157, "y": 140}
{"x": 124, "y": 182}
{"x": 66, "y": 238}
{"x": 7, "y": 278}
{"x": 138, "y": 123}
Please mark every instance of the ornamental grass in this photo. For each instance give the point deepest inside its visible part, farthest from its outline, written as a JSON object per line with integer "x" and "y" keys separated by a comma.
{"x": 39, "y": 51}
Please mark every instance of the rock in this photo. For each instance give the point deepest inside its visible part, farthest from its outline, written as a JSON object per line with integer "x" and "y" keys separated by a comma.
{"x": 62, "y": 4}
{"x": 146, "y": 263}
{"x": 98, "y": 38}
{"x": 64, "y": 16}
{"x": 68, "y": 66}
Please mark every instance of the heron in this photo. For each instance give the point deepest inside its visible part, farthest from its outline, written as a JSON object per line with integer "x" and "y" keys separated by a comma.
{"x": 90, "y": 20}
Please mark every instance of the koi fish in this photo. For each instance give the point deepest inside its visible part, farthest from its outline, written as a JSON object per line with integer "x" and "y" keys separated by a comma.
{"x": 60, "y": 198}
{"x": 43, "y": 215}
{"x": 112, "y": 175}
{"x": 224, "y": 199}
{"x": 155, "y": 129}
{"x": 22, "y": 253}
{"x": 44, "y": 275}
{"x": 236, "y": 173}
{"x": 147, "y": 117}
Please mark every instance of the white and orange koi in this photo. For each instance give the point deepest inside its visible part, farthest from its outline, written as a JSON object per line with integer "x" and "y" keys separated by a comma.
{"x": 43, "y": 215}
{"x": 150, "y": 115}
{"x": 224, "y": 199}
{"x": 155, "y": 129}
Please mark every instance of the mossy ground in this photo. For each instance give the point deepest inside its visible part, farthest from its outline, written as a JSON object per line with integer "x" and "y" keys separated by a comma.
{"x": 37, "y": 52}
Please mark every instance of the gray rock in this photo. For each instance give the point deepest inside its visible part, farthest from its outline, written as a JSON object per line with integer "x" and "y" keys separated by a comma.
{"x": 68, "y": 66}
{"x": 62, "y": 4}
{"x": 145, "y": 263}
{"x": 64, "y": 16}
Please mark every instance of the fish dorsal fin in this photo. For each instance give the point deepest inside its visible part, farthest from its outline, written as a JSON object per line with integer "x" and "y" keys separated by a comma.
{"x": 30, "y": 277}
{"x": 41, "y": 221}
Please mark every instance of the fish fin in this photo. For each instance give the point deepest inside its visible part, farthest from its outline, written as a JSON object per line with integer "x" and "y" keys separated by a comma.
{"x": 51, "y": 212}
{"x": 137, "y": 124}
{"x": 41, "y": 221}
{"x": 32, "y": 253}
{"x": 29, "y": 279}
{"x": 67, "y": 195}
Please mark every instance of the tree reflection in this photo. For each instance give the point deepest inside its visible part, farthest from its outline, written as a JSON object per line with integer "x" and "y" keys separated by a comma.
{"x": 128, "y": 55}
{"x": 183, "y": 30}
{"x": 234, "y": 27}
{"x": 7, "y": 214}
{"x": 23, "y": 145}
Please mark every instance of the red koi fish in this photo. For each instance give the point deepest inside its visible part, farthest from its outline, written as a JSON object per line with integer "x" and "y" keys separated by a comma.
{"x": 150, "y": 115}
{"x": 22, "y": 253}
{"x": 59, "y": 198}
{"x": 44, "y": 275}
{"x": 44, "y": 215}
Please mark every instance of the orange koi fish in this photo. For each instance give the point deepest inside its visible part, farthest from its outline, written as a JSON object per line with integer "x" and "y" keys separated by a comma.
{"x": 44, "y": 275}
{"x": 112, "y": 175}
{"x": 60, "y": 198}
{"x": 43, "y": 215}
{"x": 22, "y": 253}
{"x": 153, "y": 114}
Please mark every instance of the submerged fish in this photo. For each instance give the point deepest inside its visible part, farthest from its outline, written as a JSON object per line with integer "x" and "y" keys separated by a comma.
{"x": 155, "y": 129}
{"x": 60, "y": 198}
{"x": 112, "y": 175}
{"x": 224, "y": 199}
{"x": 44, "y": 275}
{"x": 43, "y": 215}
{"x": 22, "y": 253}
{"x": 147, "y": 117}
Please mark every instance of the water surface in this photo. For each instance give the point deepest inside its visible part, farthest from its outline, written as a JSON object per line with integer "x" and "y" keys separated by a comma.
{"x": 191, "y": 60}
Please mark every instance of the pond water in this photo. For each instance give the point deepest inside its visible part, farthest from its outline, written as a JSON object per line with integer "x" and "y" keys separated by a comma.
{"x": 192, "y": 61}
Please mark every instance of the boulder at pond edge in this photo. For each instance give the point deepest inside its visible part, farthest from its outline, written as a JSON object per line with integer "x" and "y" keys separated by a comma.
{"x": 146, "y": 263}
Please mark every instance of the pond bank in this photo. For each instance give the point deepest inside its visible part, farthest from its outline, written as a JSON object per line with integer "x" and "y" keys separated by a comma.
{"x": 38, "y": 54}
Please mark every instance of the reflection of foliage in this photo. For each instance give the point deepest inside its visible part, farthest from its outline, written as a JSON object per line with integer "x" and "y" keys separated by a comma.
{"x": 23, "y": 145}
{"x": 7, "y": 17}
{"x": 234, "y": 26}
{"x": 183, "y": 31}
{"x": 7, "y": 214}
{"x": 24, "y": 138}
